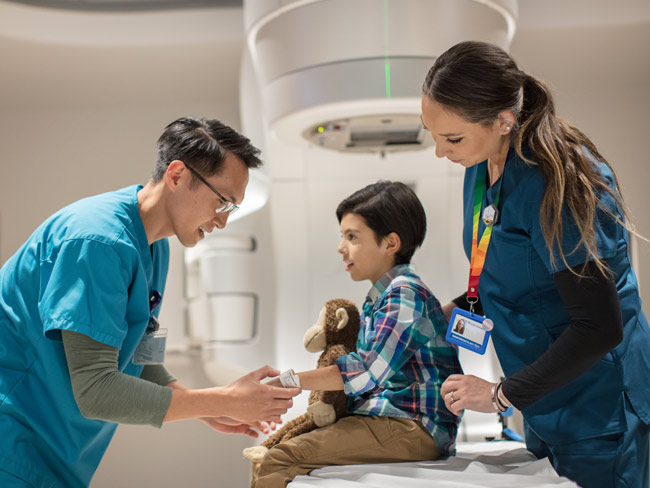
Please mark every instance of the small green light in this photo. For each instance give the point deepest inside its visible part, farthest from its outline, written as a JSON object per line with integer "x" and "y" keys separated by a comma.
{"x": 321, "y": 129}
{"x": 387, "y": 75}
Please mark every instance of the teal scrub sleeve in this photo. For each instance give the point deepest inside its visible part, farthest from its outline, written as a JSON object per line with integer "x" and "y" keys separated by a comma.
{"x": 103, "y": 393}
{"x": 85, "y": 289}
{"x": 157, "y": 373}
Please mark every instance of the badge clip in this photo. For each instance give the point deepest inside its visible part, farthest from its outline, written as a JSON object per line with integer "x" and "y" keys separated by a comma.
{"x": 490, "y": 215}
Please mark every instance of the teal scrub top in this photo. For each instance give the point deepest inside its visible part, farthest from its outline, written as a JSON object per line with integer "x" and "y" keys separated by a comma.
{"x": 88, "y": 269}
{"x": 517, "y": 291}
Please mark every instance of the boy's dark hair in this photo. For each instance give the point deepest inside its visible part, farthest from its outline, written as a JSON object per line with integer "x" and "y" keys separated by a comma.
{"x": 386, "y": 207}
{"x": 202, "y": 144}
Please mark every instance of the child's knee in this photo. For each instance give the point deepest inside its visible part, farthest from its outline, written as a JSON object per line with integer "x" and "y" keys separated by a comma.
{"x": 279, "y": 466}
{"x": 283, "y": 456}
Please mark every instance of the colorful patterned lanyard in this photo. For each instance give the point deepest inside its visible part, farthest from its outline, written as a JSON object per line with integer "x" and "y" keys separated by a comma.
{"x": 479, "y": 249}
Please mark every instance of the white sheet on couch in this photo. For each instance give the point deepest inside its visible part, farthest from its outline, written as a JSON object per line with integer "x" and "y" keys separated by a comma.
{"x": 499, "y": 464}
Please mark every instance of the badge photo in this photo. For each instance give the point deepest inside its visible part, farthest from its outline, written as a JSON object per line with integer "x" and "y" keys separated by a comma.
{"x": 469, "y": 330}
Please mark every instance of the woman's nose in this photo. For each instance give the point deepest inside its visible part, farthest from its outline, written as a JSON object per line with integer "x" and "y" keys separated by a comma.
{"x": 440, "y": 151}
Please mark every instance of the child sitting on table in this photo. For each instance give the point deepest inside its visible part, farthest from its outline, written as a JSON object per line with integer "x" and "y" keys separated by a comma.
{"x": 393, "y": 380}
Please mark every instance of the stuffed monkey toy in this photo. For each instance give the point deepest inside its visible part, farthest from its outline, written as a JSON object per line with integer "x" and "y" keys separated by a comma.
{"x": 335, "y": 334}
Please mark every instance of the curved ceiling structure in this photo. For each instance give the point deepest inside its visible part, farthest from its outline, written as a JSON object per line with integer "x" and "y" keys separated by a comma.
{"x": 127, "y": 5}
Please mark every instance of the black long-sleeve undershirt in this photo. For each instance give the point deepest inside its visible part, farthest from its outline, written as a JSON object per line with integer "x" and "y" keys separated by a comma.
{"x": 462, "y": 303}
{"x": 596, "y": 328}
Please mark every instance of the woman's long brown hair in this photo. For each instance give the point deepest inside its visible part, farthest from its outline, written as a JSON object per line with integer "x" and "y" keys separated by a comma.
{"x": 478, "y": 81}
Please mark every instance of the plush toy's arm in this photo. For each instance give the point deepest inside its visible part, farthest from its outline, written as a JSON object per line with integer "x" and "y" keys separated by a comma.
{"x": 322, "y": 413}
{"x": 338, "y": 400}
{"x": 291, "y": 429}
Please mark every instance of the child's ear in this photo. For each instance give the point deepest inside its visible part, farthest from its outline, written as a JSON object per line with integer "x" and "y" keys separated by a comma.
{"x": 393, "y": 243}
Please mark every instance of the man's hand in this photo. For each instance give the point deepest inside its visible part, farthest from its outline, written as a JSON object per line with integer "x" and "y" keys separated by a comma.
{"x": 227, "y": 425}
{"x": 253, "y": 401}
{"x": 246, "y": 400}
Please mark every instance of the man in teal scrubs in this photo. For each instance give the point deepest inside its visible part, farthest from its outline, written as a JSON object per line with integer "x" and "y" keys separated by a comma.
{"x": 83, "y": 293}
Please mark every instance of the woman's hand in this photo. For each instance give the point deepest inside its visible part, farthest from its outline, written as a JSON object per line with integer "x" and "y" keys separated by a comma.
{"x": 469, "y": 392}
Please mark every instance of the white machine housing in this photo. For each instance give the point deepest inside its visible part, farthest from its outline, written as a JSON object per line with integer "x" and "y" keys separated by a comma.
{"x": 318, "y": 61}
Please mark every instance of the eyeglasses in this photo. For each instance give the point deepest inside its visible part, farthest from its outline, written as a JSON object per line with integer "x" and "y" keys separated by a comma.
{"x": 226, "y": 205}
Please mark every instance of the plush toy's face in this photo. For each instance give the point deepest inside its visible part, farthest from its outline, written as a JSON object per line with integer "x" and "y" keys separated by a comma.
{"x": 315, "y": 338}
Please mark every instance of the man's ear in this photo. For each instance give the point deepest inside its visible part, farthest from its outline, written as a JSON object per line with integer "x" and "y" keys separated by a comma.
{"x": 173, "y": 174}
{"x": 393, "y": 243}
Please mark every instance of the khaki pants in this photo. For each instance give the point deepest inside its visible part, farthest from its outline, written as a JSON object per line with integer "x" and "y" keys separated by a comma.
{"x": 358, "y": 439}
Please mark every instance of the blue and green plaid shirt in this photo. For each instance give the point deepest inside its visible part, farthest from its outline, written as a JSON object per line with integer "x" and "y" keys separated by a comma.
{"x": 402, "y": 357}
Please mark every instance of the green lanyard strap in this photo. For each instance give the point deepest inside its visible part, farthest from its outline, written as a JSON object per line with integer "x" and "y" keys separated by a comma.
{"x": 479, "y": 248}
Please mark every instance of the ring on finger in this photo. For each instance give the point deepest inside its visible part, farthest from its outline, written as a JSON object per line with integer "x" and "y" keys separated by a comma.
{"x": 452, "y": 397}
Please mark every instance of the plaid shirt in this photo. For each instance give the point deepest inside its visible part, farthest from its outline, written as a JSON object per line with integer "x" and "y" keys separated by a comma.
{"x": 402, "y": 357}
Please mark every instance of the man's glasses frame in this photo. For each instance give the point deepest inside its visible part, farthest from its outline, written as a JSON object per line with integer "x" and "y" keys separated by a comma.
{"x": 228, "y": 206}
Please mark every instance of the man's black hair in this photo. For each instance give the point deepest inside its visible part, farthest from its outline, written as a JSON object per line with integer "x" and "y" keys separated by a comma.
{"x": 202, "y": 144}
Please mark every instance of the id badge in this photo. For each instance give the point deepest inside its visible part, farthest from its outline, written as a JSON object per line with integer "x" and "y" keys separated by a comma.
{"x": 469, "y": 330}
{"x": 151, "y": 349}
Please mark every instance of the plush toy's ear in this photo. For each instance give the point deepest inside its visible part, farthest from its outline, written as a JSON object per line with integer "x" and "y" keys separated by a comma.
{"x": 342, "y": 316}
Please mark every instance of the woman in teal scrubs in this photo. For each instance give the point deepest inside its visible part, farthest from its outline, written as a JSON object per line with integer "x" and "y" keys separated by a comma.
{"x": 78, "y": 308}
{"x": 556, "y": 279}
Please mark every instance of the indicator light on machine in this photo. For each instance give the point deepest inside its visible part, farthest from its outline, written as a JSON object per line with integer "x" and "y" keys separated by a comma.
{"x": 320, "y": 129}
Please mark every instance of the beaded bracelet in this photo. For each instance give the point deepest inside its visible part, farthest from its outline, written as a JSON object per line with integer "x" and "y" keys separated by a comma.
{"x": 498, "y": 405}
{"x": 501, "y": 403}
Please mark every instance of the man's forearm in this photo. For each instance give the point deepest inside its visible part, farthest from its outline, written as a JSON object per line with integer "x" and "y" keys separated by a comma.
{"x": 193, "y": 404}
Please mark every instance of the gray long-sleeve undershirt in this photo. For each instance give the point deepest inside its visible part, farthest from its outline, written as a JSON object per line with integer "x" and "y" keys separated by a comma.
{"x": 102, "y": 392}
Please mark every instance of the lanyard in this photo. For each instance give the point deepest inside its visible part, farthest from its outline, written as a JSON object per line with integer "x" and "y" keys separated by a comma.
{"x": 479, "y": 248}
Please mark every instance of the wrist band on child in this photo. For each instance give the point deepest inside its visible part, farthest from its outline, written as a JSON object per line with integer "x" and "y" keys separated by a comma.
{"x": 289, "y": 379}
